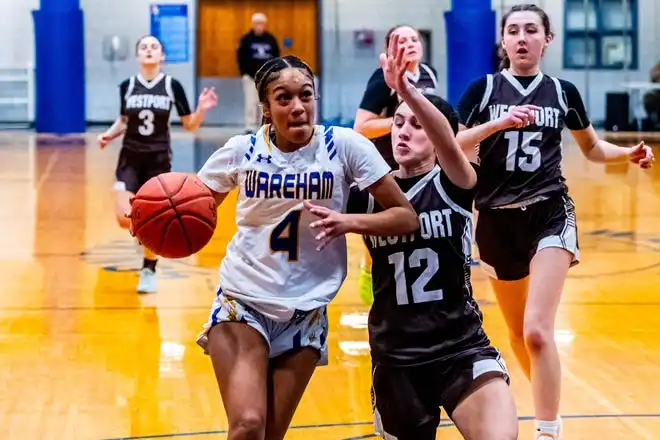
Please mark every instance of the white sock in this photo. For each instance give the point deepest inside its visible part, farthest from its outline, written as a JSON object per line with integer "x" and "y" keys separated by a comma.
{"x": 553, "y": 428}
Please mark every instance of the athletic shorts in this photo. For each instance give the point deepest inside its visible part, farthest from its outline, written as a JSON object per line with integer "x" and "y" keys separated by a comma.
{"x": 134, "y": 168}
{"x": 407, "y": 400}
{"x": 305, "y": 329}
{"x": 508, "y": 238}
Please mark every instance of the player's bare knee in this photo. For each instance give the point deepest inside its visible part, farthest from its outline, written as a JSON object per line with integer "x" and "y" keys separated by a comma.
{"x": 248, "y": 425}
{"x": 537, "y": 337}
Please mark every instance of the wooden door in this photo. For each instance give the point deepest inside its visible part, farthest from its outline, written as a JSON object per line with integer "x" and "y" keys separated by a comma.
{"x": 222, "y": 23}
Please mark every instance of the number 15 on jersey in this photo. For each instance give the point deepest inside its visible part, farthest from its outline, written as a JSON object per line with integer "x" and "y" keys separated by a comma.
{"x": 525, "y": 142}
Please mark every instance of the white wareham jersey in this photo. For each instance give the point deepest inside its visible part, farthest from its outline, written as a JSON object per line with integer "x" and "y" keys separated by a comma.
{"x": 272, "y": 262}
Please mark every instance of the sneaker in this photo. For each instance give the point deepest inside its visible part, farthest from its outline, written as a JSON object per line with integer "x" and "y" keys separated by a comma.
{"x": 147, "y": 282}
{"x": 547, "y": 436}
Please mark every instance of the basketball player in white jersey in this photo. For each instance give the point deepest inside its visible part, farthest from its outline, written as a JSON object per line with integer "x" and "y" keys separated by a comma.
{"x": 147, "y": 100}
{"x": 268, "y": 327}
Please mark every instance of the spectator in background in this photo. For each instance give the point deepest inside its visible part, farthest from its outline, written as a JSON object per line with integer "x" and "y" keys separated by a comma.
{"x": 256, "y": 47}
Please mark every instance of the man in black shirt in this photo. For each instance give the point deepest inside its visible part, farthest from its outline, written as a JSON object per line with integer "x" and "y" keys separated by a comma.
{"x": 256, "y": 47}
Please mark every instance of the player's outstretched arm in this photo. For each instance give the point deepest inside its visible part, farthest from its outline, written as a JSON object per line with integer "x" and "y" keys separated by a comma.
{"x": 450, "y": 155}
{"x": 207, "y": 100}
{"x": 435, "y": 124}
{"x": 601, "y": 151}
{"x": 397, "y": 218}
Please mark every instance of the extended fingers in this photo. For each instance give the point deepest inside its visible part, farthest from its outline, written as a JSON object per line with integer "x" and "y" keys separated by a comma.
{"x": 317, "y": 210}
{"x": 324, "y": 239}
{"x": 383, "y": 61}
{"x": 394, "y": 43}
{"x": 323, "y": 223}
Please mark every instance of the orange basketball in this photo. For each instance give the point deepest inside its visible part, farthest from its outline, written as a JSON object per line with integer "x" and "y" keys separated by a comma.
{"x": 173, "y": 215}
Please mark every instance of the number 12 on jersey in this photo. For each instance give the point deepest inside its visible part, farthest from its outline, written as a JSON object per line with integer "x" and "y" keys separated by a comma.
{"x": 417, "y": 289}
{"x": 522, "y": 141}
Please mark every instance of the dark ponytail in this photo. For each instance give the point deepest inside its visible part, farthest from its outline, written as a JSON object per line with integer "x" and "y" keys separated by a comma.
{"x": 269, "y": 72}
{"x": 505, "y": 62}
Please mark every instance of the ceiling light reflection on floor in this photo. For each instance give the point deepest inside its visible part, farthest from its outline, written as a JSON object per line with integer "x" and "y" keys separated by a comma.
{"x": 354, "y": 320}
{"x": 354, "y": 348}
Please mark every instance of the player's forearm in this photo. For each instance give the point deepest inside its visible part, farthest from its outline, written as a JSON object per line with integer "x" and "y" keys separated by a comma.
{"x": 471, "y": 137}
{"x": 397, "y": 220}
{"x": 374, "y": 128}
{"x": 192, "y": 122}
{"x": 449, "y": 153}
{"x": 116, "y": 129}
{"x": 605, "y": 152}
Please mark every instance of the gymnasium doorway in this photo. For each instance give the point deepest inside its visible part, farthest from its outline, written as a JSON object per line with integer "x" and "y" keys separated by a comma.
{"x": 222, "y": 23}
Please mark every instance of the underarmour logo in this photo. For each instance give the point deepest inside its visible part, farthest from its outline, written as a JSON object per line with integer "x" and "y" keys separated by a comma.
{"x": 261, "y": 158}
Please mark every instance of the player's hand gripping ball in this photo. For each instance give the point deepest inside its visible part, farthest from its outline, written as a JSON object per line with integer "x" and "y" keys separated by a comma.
{"x": 173, "y": 215}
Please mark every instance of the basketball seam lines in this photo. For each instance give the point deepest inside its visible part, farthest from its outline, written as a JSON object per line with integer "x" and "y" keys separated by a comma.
{"x": 178, "y": 217}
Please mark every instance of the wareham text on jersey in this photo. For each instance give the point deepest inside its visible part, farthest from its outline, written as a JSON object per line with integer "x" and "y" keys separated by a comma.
{"x": 545, "y": 117}
{"x": 432, "y": 225}
{"x": 159, "y": 102}
{"x": 313, "y": 185}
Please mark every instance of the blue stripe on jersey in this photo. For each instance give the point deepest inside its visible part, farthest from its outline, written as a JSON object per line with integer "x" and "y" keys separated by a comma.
{"x": 216, "y": 310}
{"x": 330, "y": 143}
{"x": 214, "y": 315}
{"x": 253, "y": 140}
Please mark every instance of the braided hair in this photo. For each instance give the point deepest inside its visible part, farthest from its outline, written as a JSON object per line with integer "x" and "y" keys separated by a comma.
{"x": 270, "y": 71}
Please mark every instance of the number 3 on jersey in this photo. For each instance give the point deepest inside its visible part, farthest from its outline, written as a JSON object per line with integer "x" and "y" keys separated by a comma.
{"x": 284, "y": 237}
{"x": 522, "y": 141}
{"x": 147, "y": 127}
{"x": 418, "y": 292}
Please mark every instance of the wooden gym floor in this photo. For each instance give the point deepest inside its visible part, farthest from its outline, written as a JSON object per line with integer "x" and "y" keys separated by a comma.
{"x": 82, "y": 356}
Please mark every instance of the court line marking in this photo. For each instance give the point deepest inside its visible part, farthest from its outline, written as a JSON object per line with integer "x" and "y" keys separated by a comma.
{"x": 47, "y": 170}
{"x": 482, "y": 303}
{"x": 348, "y": 424}
{"x": 603, "y": 400}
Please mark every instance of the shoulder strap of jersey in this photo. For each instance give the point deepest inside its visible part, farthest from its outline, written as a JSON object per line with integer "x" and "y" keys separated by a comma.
{"x": 431, "y": 74}
{"x": 329, "y": 139}
{"x": 443, "y": 194}
{"x": 168, "y": 87}
{"x": 487, "y": 93}
{"x": 421, "y": 184}
{"x": 560, "y": 94}
{"x": 131, "y": 86}
{"x": 370, "y": 205}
